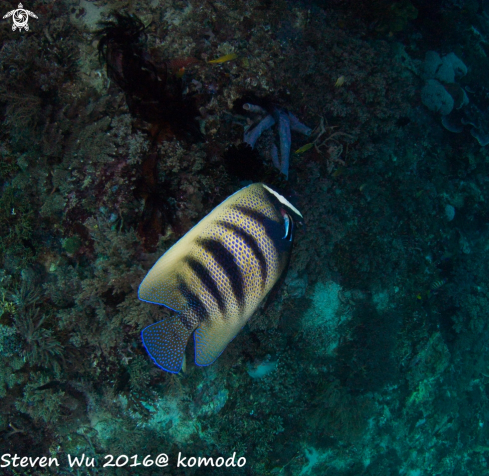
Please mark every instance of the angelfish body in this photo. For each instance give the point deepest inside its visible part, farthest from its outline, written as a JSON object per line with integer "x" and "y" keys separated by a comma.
{"x": 218, "y": 274}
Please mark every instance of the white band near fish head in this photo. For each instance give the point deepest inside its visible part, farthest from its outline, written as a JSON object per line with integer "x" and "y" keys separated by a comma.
{"x": 284, "y": 201}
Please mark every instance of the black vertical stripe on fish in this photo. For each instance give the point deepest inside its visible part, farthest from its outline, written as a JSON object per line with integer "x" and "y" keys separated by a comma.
{"x": 208, "y": 281}
{"x": 250, "y": 241}
{"x": 226, "y": 260}
{"x": 273, "y": 229}
{"x": 184, "y": 319}
{"x": 193, "y": 302}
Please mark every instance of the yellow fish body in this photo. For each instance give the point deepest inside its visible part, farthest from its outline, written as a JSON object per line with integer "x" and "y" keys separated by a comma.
{"x": 339, "y": 82}
{"x": 304, "y": 148}
{"x": 216, "y": 276}
{"x": 225, "y": 58}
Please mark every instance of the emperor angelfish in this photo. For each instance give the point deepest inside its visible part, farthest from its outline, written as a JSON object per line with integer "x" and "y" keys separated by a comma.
{"x": 218, "y": 274}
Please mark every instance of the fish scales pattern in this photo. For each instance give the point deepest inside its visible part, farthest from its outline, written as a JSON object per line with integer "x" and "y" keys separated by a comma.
{"x": 165, "y": 344}
{"x": 250, "y": 246}
{"x": 216, "y": 276}
{"x": 243, "y": 232}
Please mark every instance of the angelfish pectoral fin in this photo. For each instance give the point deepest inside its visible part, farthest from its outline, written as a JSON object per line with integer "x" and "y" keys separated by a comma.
{"x": 165, "y": 342}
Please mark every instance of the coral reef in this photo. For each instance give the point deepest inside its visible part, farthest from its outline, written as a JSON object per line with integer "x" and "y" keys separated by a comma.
{"x": 373, "y": 359}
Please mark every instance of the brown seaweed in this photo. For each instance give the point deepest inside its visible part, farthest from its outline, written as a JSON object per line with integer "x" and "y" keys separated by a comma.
{"x": 153, "y": 92}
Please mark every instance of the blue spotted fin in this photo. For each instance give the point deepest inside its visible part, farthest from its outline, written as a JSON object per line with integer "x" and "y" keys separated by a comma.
{"x": 218, "y": 274}
{"x": 165, "y": 342}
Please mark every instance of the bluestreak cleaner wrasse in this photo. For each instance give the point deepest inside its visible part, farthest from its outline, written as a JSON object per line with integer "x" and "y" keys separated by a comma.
{"x": 217, "y": 275}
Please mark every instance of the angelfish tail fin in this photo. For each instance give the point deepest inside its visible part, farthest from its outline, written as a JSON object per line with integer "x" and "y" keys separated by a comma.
{"x": 165, "y": 342}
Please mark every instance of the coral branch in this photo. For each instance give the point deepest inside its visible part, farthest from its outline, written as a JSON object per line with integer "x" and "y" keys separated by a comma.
{"x": 285, "y": 141}
{"x": 252, "y": 136}
{"x": 297, "y": 126}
